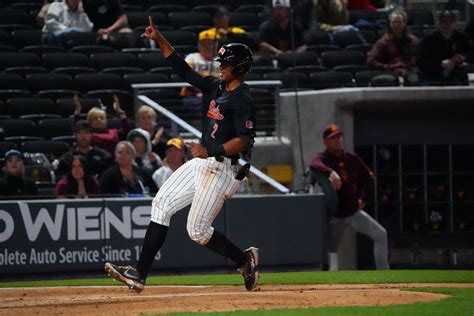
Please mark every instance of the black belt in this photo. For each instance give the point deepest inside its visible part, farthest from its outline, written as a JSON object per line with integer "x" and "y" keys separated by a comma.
{"x": 233, "y": 161}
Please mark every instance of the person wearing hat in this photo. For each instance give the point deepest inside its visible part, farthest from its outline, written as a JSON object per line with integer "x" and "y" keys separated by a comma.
{"x": 97, "y": 159}
{"x": 145, "y": 157}
{"x": 203, "y": 63}
{"x": 277, "y": 34}
{"x": 222, "y": 31}
{"x": 443, "y": 53}
{"x": 14, "y": 183}
{"x": 175, "y": 158}
{"x": 352, "y": 180}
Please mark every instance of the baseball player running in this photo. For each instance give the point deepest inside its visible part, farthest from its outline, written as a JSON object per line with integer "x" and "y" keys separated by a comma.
{"x": 213, "y": 175}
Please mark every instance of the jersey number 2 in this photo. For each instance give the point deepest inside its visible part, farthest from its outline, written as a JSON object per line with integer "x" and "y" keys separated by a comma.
{"x": 214, "y": 130}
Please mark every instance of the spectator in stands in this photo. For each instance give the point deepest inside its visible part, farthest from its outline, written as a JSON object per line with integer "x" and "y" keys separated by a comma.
{"x": 222, "y": 31}
{"x": 202, "y": 62}
{"x": 145, "y": 158}
{"x": 146, "y": 119}
{"x": 107, "y": 16}
{"x": 277, "y": 34}
{"x": 41, "y": 15}
{"x": 102, "y": 136}
{"x": 66, "y": 16}
{"x": 396, "y": 50}
{"x": 333, "y": 16}
{"x": 443, "y": 52}
{"x": 78, "y": 182}
{"x": 175, "y": 158}
{"x": 359, "y": 5}
{"x": 14, "y": 183}
{"x": 124, "y": 177}
{"x": 97, "y": 159}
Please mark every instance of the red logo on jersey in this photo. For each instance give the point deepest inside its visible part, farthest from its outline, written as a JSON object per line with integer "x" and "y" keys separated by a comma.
{"x": 249, "y": 124}
{"x": 214, "y": 111}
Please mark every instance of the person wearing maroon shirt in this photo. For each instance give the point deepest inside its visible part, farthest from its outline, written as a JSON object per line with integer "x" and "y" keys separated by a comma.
{"x": 102, "y": 136}
{"x": 351, "y": 179}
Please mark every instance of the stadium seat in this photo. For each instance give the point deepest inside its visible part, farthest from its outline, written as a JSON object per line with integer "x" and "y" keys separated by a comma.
{"x": 167, "y": 71}
{"x": 253, "y": 76}
{"x": 261, "y": 70}
{"x": 319, "y": 49}
{"x": 91, "y": 49}
{"x": 72, "y": 39}
{"x": 69, "y": 139}
{"x": 289, "y": 80}
{"x": 41, "y": 49}
{"x": 17, "y": 107}
{"x": 344, "y": 39}
{"x": 186, "y": 18}
{"x": 11, "y": 16}
{"x": 65, "y": 107}
{"x": 52, "y": 149}
{"x": 385, "y": 80}
{"x": 121, "y": 71}
{"x": 14, "y": 93}
{"x": 140, "y": 18}
{"x": 17, "y": 127}
{"x": 288, "y": 59}
{"x": 254, "y": 8}
{"x": 364, "y": 78}
{"x": 56, "y": 60}
{"x": 151, "y": 60}
{"x": 353, "y": 69}
{"x": 74, "y": 71}
{"x": 240, "y": 18}
{"x": 50, "y": 128}
{"x": 318, "y": 38}
{"x": 50, "y": 81}
{"x": 26, "y": 6}
{"x": 26, "y": 70}
{"x": 363, "y": 48}
{"x": 7, "y": 48}
{"x": 18, "y": 59}
{"x": 168, "y": 8}
{"x": 207, "y": 8}
{"x": 12, "y": 81}
{"x": 332, "y": 59}
{"x": 22, "y": 38}
{"x": 330, "y": 79}
{"x": 370, "y": 36}
{"x": 144, "y": 78}
{"x": 98, "y": 81}
{"x": 306, "y": 69}
{"x": 419, "y": 17}
{"x": 119, "y": 41}
{"x": 367, "y": 15}
{"x": 107, "y": 60}
{"x": 19, "y": 140}
{"x": 180, "y": 37}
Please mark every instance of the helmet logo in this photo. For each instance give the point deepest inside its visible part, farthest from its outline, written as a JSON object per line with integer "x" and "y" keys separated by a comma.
{"x": 221, "y": 50}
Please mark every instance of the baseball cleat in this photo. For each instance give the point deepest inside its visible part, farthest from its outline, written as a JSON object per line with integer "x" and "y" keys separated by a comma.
{"x": 249, "y": 270}
{"x": 127, "y": 275}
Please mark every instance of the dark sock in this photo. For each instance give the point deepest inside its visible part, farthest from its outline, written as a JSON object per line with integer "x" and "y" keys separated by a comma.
{"x": 154, "y": 238}
{"x": 223, "y": 246}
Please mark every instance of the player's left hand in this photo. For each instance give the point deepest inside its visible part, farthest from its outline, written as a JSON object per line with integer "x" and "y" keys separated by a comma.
{"x": 197, "y": 150}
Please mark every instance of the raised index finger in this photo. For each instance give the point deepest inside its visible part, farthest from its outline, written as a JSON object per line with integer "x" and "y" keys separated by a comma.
{"x": 150, "y": 20}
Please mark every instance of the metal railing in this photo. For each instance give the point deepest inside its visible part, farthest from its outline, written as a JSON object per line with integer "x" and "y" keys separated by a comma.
{"x": 191, "y": 129}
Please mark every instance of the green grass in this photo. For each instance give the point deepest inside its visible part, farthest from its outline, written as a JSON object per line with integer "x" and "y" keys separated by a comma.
{"x": 313, "y": 277}
{"x": 460, "y": 303}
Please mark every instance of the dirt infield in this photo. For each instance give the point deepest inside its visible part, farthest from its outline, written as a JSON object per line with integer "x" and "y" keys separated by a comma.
{"x": 118, "y": 300}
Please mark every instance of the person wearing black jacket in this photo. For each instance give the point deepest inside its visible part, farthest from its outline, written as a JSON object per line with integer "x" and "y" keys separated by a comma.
{"x": 213, "y": 175}
{"x": 14, "y": 183}
{"x": 443, "y": 52}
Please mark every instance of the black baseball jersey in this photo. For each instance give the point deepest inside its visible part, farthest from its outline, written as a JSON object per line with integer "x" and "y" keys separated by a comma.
{"x": 225, "y": 114}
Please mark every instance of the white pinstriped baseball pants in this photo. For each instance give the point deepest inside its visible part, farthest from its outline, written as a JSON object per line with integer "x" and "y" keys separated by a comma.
{"x": 203, "y": 183}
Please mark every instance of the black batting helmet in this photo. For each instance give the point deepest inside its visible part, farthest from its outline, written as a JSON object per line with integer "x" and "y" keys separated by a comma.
{"x": 238, "y": 55}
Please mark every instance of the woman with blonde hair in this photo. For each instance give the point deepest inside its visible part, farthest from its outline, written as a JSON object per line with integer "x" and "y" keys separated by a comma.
{"x": 146, "y": 119}
{"x": 102, "y": 136}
